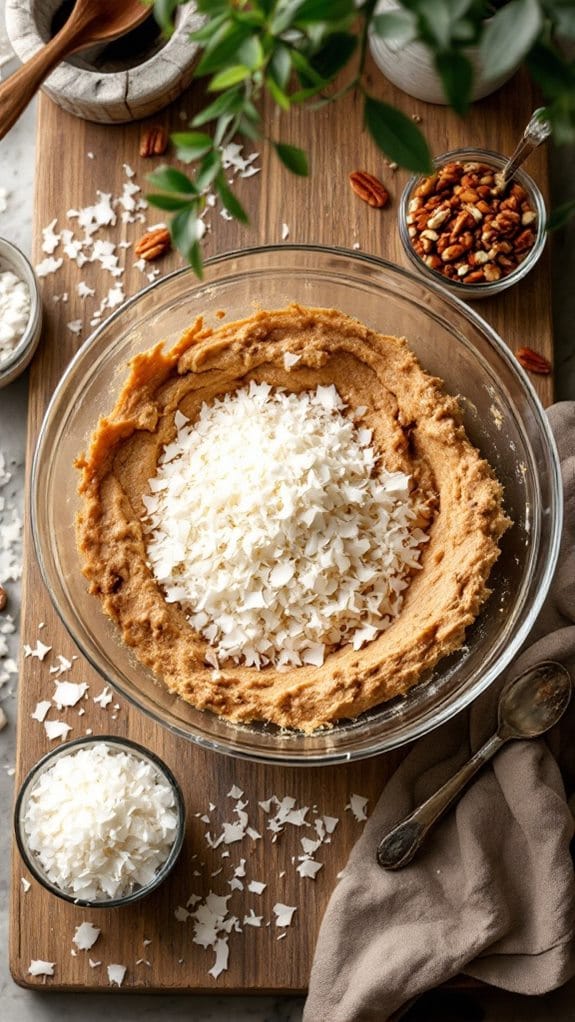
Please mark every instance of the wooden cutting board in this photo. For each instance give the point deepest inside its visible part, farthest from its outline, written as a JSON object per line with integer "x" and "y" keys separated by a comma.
{"x": 74, "y": 160}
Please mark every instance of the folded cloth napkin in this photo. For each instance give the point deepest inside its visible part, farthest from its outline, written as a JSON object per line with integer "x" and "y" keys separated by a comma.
{"x": 492, "y": 892}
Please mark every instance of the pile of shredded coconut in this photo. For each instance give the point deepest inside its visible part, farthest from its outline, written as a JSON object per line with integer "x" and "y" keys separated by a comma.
{"x": 272, "y": 524}
{"x": 101, "y": 822}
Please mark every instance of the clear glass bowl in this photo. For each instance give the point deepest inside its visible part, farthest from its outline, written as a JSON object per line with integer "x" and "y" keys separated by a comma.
{"x": 120, "y": 745}
{"x": 502, "y": 415}
{"x": 476, "y": 290}
{"x": 11, "y": 258}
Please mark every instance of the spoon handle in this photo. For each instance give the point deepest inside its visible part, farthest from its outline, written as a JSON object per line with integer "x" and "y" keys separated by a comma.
{"x": 17, "y": 91}
{"x": 398, "y": 847}
{"x": 535, "y": 133}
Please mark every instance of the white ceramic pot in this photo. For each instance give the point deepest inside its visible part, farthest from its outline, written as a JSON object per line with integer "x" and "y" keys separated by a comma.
{"x": 142, "y": 74}
{"x": 411, "y": 68}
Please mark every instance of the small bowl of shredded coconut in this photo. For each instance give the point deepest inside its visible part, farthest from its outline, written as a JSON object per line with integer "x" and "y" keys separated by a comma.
{"x": 100, "y": 821}
{"x": 20, "y": 312}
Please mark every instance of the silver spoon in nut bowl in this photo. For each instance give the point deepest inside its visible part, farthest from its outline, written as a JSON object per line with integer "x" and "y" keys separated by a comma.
{"x": 536, "y": 132}
{"x": 530, "y": 705}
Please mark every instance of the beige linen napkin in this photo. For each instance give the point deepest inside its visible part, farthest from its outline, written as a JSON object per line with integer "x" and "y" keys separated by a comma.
{"x": 492, "y": 892}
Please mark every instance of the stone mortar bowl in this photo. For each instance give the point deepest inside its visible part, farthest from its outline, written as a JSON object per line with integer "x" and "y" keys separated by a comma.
{"x": 131, "y": 78}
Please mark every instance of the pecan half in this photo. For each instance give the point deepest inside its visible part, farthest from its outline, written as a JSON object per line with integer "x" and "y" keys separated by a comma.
{"x": 154, "y": 244}
{"x": 533, "y": 361}
{"x": 369, "y": 188}
{"x": 153, "y": 141}
{"x": 3, "y": 598}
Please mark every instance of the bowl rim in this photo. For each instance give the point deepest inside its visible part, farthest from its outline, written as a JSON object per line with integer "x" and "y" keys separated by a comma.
{"x": 445, "y": 712}
{"x": 23, "y": 351}
{"x": 142, "y": 753}
{"x": 486, "y": 288}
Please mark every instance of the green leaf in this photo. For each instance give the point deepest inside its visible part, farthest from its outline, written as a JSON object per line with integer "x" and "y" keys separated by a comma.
{"x": 306, "y": 73}
{"x": 436, "y": 15}
{"x": 560, "y": 216}
{"x": 509, "y": 35}
{"x": 229, "y": 200}
{"x": 164, "y": 11}
{"x": 456, "y": 73}
{"x": 251, "y": 53}
{"x": 249, "y": 129}
{"x": 311, "y": 11}
{"x": 230, "y": 102}
{"x": 222, "y": 48}
{"x": 186, "y": 230}
{"x": 279, "y": 67}
{"x": 276, "y": 93}
{"x": 168, "y": 202}
{"x": 334, "y": 54}
{"x": 207, "y": 31}
{"x": 397, "y": 136}
{"x": 555, "y": 76}
{"x": 211, "y": 6}
{"x": 293, "y": 158}
{"x": 191, "y": 145}
{"x": 208, "y": 169}
{"x": 168, "y": 179}
{"x": 231, "y": 76}
{"x": 400, "y": 27}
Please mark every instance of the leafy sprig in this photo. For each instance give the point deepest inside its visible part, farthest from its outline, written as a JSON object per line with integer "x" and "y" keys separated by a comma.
{"x": 293, "y": 50}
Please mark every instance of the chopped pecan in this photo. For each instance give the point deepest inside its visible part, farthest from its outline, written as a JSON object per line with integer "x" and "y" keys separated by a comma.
{"x": 462, "y": 223}
{"x": 154, "y": 141}
{"x": 533, "y": 361}
{"x": 154, "y": 244}
{"x": 369, "y": 188}
{"x": 3, "y": 597}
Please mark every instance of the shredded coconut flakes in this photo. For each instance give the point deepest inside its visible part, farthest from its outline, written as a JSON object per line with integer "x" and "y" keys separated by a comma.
{"x": 272, "y": 524}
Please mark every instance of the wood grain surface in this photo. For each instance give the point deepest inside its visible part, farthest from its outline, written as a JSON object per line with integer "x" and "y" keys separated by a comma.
{"x": 322, "y": 210}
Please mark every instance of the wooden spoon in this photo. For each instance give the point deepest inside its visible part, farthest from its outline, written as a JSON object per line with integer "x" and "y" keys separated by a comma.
{"x": 91, "y": 21}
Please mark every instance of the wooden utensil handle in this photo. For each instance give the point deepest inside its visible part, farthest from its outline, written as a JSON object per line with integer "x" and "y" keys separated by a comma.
{"x": 17, "y": 91}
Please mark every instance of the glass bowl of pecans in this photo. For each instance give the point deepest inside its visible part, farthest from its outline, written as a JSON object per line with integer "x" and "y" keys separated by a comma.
{"x": 465, "y": 230}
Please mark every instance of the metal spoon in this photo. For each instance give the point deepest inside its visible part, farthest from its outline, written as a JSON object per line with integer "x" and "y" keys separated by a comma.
{"x": 535, "y": 133}
{"x": 530, "y": 705}
{"x": 91, "y": 21}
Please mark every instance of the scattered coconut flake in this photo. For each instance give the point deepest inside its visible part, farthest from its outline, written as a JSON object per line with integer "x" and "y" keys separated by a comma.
{"x": 39, "y": 652}
{"x": 47, "y": 266}
{"x": 62, "y": 666}
{"x": 357, "y": 805}
{"x": 256, "y": 887}
{"x": 41, "y": 710}
{"x": 252, "y": 919}
{"x": 38, "y": 967}
{"x": 68, "y": 694}
{"x": 50, "y": 240}
{"x": 86, "y": 936}
{"x": 283, "y": 913}
{"x": 26, "y": 885}
{"x": 235, "y": 792}
{"x": 56, "y": 729}
{"x": 75, "y": 326}
{"x": 104, "y": 698}
{"x": 309, "y": 868}
{"x": 330, "y": 823}
{"x": 116, "y": 974}
{"x": 93, "y": 963}
{"x": 181, "y": 914}
{"x": 222, "y": 950}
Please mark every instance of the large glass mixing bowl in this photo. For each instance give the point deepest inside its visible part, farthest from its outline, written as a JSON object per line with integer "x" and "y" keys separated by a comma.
{"x": 502, "y": 415}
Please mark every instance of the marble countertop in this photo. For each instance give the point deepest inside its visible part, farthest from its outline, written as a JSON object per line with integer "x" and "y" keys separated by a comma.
{"x": 17, "y": 157}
